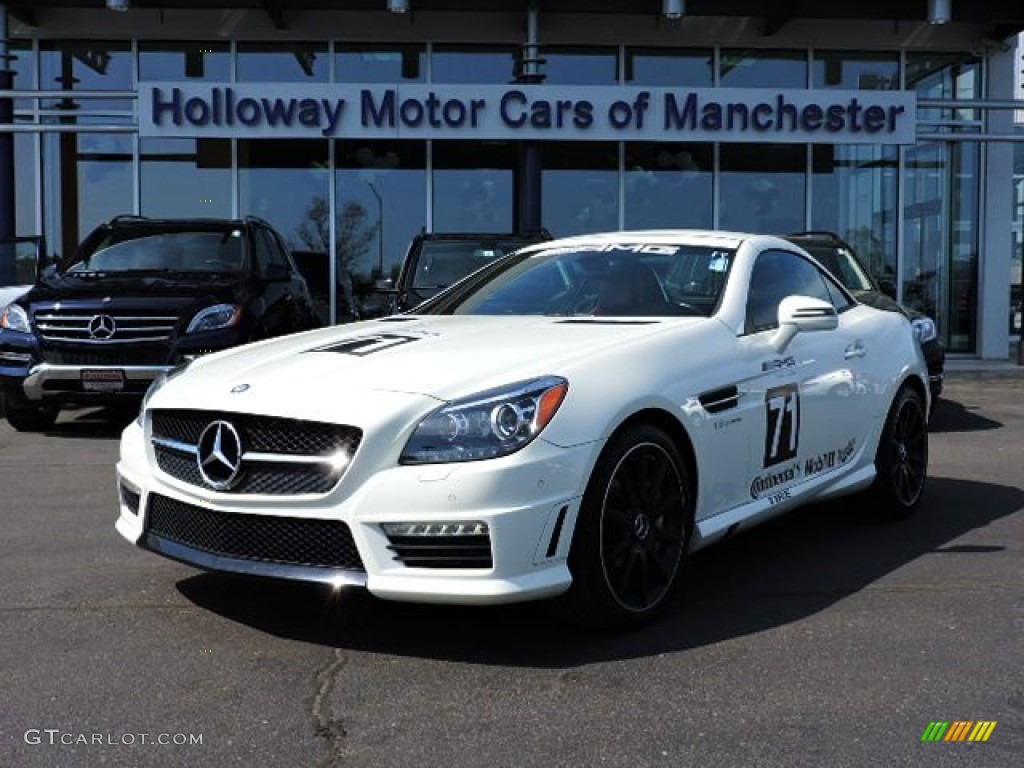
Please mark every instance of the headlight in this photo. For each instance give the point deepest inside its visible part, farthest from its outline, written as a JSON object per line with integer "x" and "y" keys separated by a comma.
{"x": 156, "y": 386}
{"x": 493, "y": 423}
{"x": 215, "y": 317}
{"x": 924, "y": 329}
{"x": 14, "y": 318}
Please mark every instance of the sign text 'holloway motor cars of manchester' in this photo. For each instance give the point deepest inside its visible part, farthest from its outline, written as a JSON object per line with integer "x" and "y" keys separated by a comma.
{"x": 517, "y": 112}
{"x": 571, "y": 420}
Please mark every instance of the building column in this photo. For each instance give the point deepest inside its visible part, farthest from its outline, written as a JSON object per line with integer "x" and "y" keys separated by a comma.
{"x": 7, "y": 220}
{"x": 996, "y": 237}
{"x": 529, "y": 167}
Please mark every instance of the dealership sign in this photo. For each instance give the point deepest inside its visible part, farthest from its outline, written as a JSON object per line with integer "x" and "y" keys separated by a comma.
{"x": 249, "y": 110}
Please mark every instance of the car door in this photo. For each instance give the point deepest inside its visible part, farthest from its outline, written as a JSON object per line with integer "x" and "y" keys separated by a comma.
{"x": 814, "y": 412}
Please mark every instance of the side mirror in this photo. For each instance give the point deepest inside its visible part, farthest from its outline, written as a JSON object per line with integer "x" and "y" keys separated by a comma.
{"x": 803, "y": 314}
{"x": 384, "y": 285}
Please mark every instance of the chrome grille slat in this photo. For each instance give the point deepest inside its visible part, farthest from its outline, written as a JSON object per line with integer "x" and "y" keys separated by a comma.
{"x": 73, "y": 325}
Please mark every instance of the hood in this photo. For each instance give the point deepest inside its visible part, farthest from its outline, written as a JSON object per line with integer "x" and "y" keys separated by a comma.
{"x": 56, "y": 286}
{"x": 442, "y": 357}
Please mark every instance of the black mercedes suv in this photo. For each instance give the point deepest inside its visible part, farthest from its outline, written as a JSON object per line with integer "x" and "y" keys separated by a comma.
{"x": 839, "y": 259}
{"x": 138, "y": 297}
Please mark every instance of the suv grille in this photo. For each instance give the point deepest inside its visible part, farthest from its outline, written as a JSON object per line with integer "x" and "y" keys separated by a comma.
{"x": 99, "y": 327}
{"x": 97, "y": 355}
{"x": 288, "y": 540}
{"x": 278, "y": 456}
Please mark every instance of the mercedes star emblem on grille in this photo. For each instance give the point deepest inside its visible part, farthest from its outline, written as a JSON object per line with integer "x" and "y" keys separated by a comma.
{"x": 102, "y": 327}
{"x": 219, "y": 455}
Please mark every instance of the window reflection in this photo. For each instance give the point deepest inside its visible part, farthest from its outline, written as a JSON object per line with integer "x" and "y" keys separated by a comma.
{"x": 668, "y": 185}
{"x": 856, "y": 70}
{"x": 580, "y": 187}
{"x": 944, "y": 76}
{"x": 762, "y": 187}
{"x": 185, "y": 177}
{"x": 160, "y": 61}
{"x": 762, "y": 69}
{"x": 670, "y": 67}
{"x": 356, "y": 63}
{"x": 86, "y": 65}
{"x": 381, "y": 194}
{"x": 474, "y": 64}
{"x": 283, "y": 63}
{"x": 473, "y": 186}
{"x": 853, "y": 194}
{"x": 567, "y": 65}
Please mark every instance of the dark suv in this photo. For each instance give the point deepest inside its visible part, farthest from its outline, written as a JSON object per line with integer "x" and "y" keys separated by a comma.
{"x": 839, "y": 259}
{"x": 138, "y": 297}
{"x": 436, "y": 260}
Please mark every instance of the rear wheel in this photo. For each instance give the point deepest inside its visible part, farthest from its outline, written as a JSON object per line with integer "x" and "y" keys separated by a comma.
{"x": 902, "y": 457}
{"x": 26, "y": 416}
{"x": 633, "y": 530}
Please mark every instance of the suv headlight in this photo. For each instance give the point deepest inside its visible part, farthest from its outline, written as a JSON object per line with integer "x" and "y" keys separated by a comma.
{"x": 924, "y": 329}
{"x": 15, "y": 318}
{"x": 487, "y": 425}
{"x": 214, "y": 318}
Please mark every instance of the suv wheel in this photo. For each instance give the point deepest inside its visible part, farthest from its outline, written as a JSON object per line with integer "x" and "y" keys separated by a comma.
{"x": 26, "y": 416}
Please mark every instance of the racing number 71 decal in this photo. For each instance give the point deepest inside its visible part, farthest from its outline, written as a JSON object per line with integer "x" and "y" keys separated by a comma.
{"x": 782, "y": 424}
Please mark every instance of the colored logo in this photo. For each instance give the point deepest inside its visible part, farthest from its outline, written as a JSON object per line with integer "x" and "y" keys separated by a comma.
{"x": 958, "y": 730}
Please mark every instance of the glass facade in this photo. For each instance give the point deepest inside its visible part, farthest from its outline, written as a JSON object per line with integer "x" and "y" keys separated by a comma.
{"x": 351, "y": 207}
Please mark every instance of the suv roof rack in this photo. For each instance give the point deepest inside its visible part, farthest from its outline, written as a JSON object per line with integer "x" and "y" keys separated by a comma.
{"x": 820, "y": 233}
{"x": 128, "y": 217}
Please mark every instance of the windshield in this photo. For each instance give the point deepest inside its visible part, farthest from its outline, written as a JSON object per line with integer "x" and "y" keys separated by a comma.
{"x": 133, "y": 249}
{"x": 442, "y": 263}
{"x": 844, "y": 266}
{"x": 624, "y": 279}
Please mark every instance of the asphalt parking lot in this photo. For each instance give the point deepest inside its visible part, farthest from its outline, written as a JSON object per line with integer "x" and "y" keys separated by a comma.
{"x": 828, "y": 638}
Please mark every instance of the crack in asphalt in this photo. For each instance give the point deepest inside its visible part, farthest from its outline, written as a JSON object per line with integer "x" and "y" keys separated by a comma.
{"x": 327, "y": 726}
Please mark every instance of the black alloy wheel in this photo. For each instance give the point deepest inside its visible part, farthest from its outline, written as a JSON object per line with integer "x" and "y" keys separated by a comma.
{"x": 633, "y": 530}
{"x": 26, "y": 416}
{"x": 902, "y": 458}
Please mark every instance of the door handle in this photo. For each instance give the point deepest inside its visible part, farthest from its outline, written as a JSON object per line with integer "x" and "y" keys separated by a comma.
{"x": 856, "y": 349}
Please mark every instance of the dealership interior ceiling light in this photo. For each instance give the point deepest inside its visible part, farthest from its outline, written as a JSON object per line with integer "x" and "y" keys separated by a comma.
{"x": 119, "y": 5}
{"x": 398, "y": 6}
{"x": 673, "y": 9}
{"x": 940, "y": 11}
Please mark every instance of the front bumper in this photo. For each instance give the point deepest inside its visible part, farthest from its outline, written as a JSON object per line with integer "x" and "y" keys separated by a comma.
{"x": 528, "y": 501}
{"x": 64, "y": 383}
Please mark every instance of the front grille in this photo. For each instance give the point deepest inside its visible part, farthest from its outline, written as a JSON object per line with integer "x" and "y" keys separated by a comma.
{"x": 98, "y": 355}
{"x": 266, "y": 434}
{"x": 264, "y": 538}
{"x": 75, "y": 325}
{"x": 176, "y": 436}
{"x": 442, "y": 551}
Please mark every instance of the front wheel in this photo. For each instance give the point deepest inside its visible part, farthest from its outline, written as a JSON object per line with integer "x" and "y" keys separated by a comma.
{"x": 633, "y": 530}
{"x": 902, "y": 458}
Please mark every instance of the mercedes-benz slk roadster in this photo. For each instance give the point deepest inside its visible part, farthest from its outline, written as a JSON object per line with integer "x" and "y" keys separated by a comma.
{"x": 572, "y": 421}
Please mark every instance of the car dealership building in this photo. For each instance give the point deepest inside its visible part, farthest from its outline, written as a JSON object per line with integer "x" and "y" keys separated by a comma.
{"x": 351, "y": 125}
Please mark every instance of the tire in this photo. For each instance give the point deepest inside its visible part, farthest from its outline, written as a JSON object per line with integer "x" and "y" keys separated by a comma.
{"x": 25, "y": 416}
{"x": 901, "y": 461}
{"x": 633, "y": 530}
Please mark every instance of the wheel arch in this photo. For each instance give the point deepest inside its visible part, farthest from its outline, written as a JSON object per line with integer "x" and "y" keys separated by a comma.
{"x": 664, "y": 420}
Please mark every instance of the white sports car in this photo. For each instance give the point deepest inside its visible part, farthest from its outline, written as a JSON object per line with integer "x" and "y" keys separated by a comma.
{"x": 572, "y": 420}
